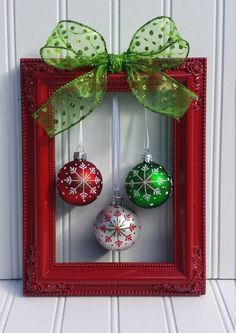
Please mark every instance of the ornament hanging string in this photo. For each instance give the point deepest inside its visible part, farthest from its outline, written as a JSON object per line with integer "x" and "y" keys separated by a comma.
{"x": 81, "y": 132}
{"x": 146, "y": 132}
{"x": 115, "y": 145}
{"x": 80, "y": 147}
{"x": 154, "y": 48}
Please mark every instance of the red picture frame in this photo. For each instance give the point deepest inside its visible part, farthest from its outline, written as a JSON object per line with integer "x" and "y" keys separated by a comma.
{"x": 43, "y": 276}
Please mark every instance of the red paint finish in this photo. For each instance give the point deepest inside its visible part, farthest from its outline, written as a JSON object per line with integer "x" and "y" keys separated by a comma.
{"x": 42, "y": 275}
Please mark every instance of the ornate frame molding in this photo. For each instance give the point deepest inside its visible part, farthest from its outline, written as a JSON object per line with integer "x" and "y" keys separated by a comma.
{"x": 42, "y": 275}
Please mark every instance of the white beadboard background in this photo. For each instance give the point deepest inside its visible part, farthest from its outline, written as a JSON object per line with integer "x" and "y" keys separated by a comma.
{"x": 210, "y": 29}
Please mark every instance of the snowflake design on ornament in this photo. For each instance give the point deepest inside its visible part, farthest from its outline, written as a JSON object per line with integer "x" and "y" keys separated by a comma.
{"x": 117, "y": 229}
{"x": 148, "y": 185}
{"x": 145, "y": 182}
{"x": 82, "y": 184}
{"x": 79, "y": 182}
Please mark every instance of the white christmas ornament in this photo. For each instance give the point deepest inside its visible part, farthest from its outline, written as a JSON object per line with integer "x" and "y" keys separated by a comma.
{"x": 117, "y": 227}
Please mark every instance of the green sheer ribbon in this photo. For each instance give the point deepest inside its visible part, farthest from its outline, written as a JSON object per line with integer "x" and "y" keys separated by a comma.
{"x": 154, "y": 48}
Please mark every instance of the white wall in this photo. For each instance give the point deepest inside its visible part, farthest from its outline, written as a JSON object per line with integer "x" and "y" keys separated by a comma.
{"x": 207, "y": 25}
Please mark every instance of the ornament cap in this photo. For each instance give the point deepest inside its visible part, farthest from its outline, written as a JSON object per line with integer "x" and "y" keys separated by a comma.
{"x": 80, "y": 155}
{"x": 147, "y": 156}
{"x": 117, "y": 199}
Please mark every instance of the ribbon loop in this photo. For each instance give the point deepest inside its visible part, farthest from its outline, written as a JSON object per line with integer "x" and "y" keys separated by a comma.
{"x": 155, "y": 47}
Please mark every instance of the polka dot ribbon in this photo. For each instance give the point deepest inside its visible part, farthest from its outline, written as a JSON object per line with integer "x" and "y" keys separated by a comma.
{"x": 155, "y": 47}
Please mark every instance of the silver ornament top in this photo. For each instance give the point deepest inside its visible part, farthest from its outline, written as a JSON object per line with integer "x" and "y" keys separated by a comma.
{"x": 80, "y": 154}
{"x": 147, "y": 156}
{"x": 117, "y": 199}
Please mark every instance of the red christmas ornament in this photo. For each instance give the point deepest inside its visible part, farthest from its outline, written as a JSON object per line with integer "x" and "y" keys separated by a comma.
{"x": 79, "y": 182}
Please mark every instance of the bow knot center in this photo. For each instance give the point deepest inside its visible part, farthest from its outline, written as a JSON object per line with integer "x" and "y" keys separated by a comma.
{"x": 116, "y": 62}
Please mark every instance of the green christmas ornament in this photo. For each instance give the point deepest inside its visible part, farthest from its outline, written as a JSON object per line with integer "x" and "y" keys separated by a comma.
{"x": 148, "y": 184}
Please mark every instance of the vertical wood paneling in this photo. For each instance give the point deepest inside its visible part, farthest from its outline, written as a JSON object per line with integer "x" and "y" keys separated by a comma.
{"x": 140, "y": 314}
{"x": 7, "y": 291}
{"x": 114, "y": 315}
{"x": 212, "y": 46}
{"x": 25, "y": 26}
{"x": 221, "y": 306}
{"x": 114, "y": 40}
{"x": 62, "y": 9}
{"x": 86, "y": 314}
{"x": 34, "y": 20}
{"x": 14, "y": 145}
{"x": 216, "y": 134}
{"x": 199, "y": 314}
{"x": 170, "y": 315}
{"x": 28, "y": 315}
{"x": 227, "y": 290}
{"x": 4, "y": 287}
{"x": 93, "y": 13}
{"x": 137, "y": 314}
{"x": 226, "y": 239}
{"x": 20, "y": 38}
{"x": 58, "y": 315}
{"x": 5, "y": 203}
{"x": 116, "y": 121}
{"x": 184, "y": 16}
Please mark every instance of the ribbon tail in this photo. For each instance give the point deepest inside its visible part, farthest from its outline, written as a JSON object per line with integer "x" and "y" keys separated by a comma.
{"x": 160, "y": 93}
{"x": 72, "y": 102}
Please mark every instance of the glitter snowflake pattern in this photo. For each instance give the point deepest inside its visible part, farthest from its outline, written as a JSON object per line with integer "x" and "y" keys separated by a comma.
{"x": 148, "y": 184}
{"x": 117, "y": 229}
{"x": 79, "y": 181}
{"x": 82, "y": 184}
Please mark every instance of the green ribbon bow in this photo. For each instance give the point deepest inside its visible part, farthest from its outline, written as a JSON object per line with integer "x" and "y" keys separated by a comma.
{"x": 155, "y": 47}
